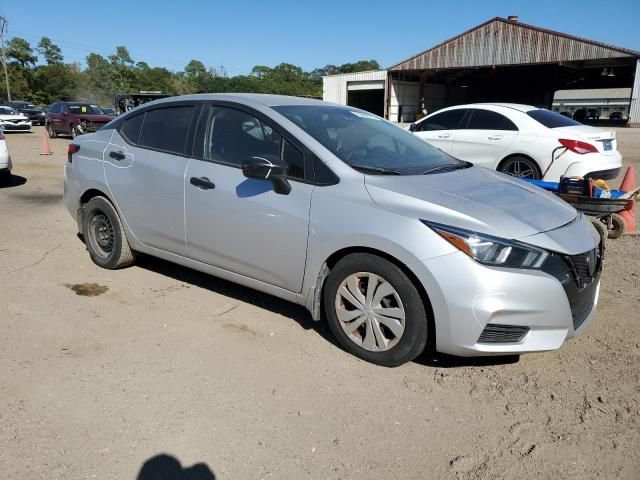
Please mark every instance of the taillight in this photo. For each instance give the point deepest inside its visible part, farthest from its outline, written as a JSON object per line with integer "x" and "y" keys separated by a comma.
{"x": 576, "y": 146}
{"x": 73, "y": 148}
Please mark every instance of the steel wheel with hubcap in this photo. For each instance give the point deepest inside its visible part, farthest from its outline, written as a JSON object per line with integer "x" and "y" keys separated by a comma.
{"x": 370, "y": 311}
{"x": 520, "y": 167}
{"x": 52, "y": 133}
{"x": 104, "y": 235}
{"x": 375, "y": 310}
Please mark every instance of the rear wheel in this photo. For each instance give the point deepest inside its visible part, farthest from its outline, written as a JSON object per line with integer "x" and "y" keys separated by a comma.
{"x": 375, "y": 311}
{"x": 74, "y": 132}
{"x": 104, "y": 235}
{"x": 619, "y": 226}
{"x": 52, "y": 133}
{"x": 521, "y": 167}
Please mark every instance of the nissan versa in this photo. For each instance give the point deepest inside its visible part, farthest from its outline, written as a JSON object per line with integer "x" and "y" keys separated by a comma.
{"x": 396, "y": 243}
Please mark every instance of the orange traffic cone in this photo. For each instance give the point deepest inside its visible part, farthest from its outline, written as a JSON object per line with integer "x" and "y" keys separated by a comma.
{"x": 629, "y": 213}
{"x": 46, "y": 149}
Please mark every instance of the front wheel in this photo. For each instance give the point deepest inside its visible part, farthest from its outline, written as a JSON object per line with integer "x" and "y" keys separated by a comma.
{"x": 74, "y": 132}
{"x": 521, "y": 167}
{"x": 375, "y": 311}
{"x": 52, "y": 133}
{"x": 104, "y": 235}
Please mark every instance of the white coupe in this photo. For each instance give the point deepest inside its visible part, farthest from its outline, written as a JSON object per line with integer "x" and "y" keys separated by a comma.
{"x": 522, "y": 141}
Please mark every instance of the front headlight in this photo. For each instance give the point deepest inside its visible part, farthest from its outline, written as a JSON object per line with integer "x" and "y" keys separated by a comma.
{"x": 490, "y": 250}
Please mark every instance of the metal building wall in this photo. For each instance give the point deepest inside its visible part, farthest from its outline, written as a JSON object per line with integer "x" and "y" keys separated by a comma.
{"x": 334, "y": 87}
{"x": 634, "y": 106}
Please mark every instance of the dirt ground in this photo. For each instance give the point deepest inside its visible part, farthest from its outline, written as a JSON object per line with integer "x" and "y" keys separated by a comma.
{"x": 102, "y": 370}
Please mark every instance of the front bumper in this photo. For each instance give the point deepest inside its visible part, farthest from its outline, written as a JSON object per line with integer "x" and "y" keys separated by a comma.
{"x": 467, "y": 296}
{"x": 16, "y": 127}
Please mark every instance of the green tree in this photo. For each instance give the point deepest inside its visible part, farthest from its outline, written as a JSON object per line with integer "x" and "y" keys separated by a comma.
{"x": 50, "y": 51}
{"x": 20, "y": 52}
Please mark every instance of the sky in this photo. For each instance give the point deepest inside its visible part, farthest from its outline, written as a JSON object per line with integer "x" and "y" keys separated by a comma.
{"x": 239, "y": 35}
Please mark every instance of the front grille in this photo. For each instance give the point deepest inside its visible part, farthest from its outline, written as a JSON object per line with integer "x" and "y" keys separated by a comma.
{"x": 581, "y": 312}
{"x": 494, "y": 333}
{"x": 585, "y": 266}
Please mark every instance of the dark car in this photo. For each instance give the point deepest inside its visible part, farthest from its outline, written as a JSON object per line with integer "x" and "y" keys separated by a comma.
{"x": 616, "y": 116}
{"x": 566, "y": 114}
{"x": 580, "y": 115}
{"x": 594, "y": 113}
{"x": 109, "y": 111}
{"x": 33, "y": 113}
{"x": 74, "y": 118}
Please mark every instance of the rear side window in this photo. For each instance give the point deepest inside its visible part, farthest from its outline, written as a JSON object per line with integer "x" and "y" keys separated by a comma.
{"x": 449, "y": 120}
{"x": 166, "y": 129}
{"x": 488, "y": 120}
{"x": 54, "y": 108}
{"x": 131, "y": 128}
{"x": 551, "y": 119}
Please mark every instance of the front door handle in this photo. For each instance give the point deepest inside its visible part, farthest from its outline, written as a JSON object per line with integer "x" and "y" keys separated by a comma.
{"x": 445, "y": 135}
{"x": 495, "y": 137}
{"x": 202, "y": 183}
{"x": 117, "y": 155}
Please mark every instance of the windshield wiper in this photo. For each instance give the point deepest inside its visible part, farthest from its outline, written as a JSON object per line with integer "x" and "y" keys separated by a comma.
{"x": 448, "y": 167}
{"x": 383, "y": 171}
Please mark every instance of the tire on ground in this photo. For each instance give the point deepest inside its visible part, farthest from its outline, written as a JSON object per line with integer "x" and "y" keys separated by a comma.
{"x": 119, "y": 253}
{"x": 413, "y": 340}
{"x": 506, "y": 166}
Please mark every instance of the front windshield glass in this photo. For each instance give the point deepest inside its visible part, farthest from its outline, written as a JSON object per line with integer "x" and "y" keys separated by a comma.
{"x": 368, "y": 143}
{"x": 85, "y": 109}
{"x": 7, "y": 111}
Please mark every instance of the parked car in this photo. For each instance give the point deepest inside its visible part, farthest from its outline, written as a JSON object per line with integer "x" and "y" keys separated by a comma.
{"x": 13, "y": 121}
{"x": 74, "y": 118}
{"x": 566, "y": 114}
{"x": 109, "y": 111}
{"x": 593, "y": 113}
{"x": 616, "y": 116}
{"x": 580, "y": 115}
{"x": 33, "y": 113}
{"x": 5, "y": 159}
{"x": 336, "y": 209}
{"x": 522, "y": 141}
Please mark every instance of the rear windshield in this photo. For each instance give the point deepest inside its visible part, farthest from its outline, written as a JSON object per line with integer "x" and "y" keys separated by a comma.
{"x": 551, "y": 119}
{"x": 85, "y": 109}
{"x": 366, "y": 142}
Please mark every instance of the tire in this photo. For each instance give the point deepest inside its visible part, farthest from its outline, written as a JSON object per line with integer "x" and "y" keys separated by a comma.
{"x": 104, "y": 235}
{"x": 52, "y": 133}
{"x": 373, "y": 340}
{"x": 619, "y": 226}
{"x": 601, "y": 228}
{"x": 522, "y": 167}
{"x": 73, "y": 132}
{"x": 5, "y": 177}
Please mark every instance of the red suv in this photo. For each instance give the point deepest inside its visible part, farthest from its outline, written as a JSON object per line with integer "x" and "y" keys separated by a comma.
{"x": 74, "y": 118}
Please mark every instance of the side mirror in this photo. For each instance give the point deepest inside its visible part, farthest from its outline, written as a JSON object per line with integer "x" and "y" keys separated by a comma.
{"x": 267, "y": 167}
{"x": 413, "y": 127}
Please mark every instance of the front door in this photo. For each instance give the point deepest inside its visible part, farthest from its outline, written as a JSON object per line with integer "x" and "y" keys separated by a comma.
{"x": 144, "y": 165}
{"x": 440, "y": 129}
{"x": 241, "y": 224}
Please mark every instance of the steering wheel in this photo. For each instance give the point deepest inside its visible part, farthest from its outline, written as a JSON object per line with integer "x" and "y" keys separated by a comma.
{"x": 360, "y": 146}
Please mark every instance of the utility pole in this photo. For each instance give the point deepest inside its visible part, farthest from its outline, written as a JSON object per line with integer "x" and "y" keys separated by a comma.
{"x": 3, "y": 26}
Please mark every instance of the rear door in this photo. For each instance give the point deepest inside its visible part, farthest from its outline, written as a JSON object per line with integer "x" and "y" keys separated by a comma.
{"x": 484, "y": 138}
{"x": 145, "y": 164}
{"x": 440, "y": 129}
{"x": 241, "y": 224}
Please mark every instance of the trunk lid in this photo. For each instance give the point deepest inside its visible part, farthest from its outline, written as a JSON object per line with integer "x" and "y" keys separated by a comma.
{"x": 603, "y": 139}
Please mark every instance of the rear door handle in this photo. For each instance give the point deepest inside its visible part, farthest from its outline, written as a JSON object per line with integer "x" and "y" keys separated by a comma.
{"x": 117, "y": 155}
{"x": 495, "y": 137}
{"x": 202, "y": 183}
{"x": 445, "y": 135}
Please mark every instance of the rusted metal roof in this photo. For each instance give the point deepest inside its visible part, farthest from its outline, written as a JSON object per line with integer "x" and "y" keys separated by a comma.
{"x": 503, "y": 42}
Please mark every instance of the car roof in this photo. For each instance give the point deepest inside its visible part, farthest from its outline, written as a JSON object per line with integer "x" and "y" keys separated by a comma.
{"x": 247, "y": 98}
{"x": 513, "y": 106}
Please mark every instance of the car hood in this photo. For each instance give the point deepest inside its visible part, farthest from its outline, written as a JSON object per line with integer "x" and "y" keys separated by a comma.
{"x": 474, "y": 198}
{"x": 13, "y": 117}
{"x": 30, "y": 110}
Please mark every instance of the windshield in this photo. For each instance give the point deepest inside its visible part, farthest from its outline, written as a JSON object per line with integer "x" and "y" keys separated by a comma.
{"x": 23, "y": 105}
{"x": 551, "y": 119}
{"x": 368, "y": 143}
{"x": 85, "y": 109}
{"x": 7, "y": 111}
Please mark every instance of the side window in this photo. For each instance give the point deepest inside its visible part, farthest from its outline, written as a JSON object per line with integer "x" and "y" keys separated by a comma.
{"x": 64, "y": 108}
{"x": 54, "y": 108}
{"x": 131, "y": 128}
{"x": 294, "y": 159}
{"x": 166, "y": 129}
{"x": 487, "y": 120}
{"x": 232, "y": 135}
{"x": 449, "y": 120}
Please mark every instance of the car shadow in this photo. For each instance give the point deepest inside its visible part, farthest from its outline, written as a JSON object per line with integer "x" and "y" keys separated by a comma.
{"x": 441, "y": 360}
{"x": 237, "y": 292}
{"x": 166, "y": 467}
{"x": 12, "y": 181}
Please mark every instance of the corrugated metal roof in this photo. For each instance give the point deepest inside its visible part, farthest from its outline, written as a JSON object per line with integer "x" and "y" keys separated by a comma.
{"x": 503, "y": 42}
{"x": 593, "y": 94}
